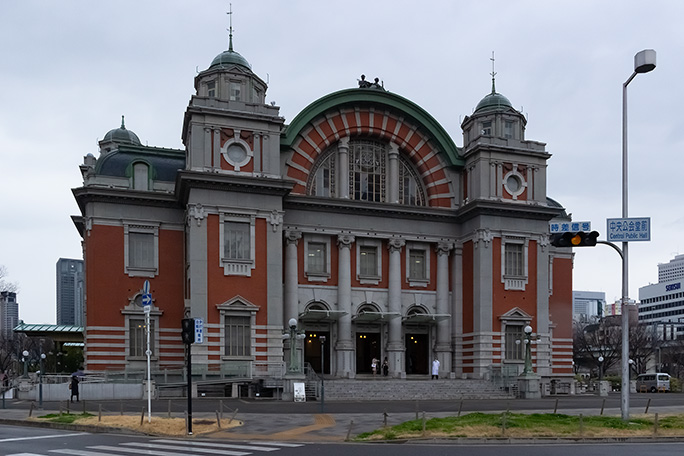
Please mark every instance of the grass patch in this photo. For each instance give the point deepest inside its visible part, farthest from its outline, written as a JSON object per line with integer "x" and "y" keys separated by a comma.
{"x": 65, "y": 418}
{"x": 488, "y": 425}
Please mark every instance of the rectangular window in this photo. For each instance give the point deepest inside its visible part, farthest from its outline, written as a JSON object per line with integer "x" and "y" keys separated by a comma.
{"x": 514, "y": 342}
{"x": 515, "y": 260}
{"x": 317, "y": 259}
{"x": 487, "y": 128}
{"x": 238, "y": 336}
{"x": 417, "y": 266}
{"x": 235, "y": 91}
{"x": 141, "y": 250}
{"x": 138, "y": 337}
{"x": 140, "y": 177}
{"x": 368, "y": 261}
{"x": 508, "y": 129}
{"x": 211, "y": 89}
{"x": 237, "y": 244}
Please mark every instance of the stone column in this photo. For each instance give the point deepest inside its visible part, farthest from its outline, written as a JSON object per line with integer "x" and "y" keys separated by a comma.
{"x": 217, "y": 149}
{"x": 346, "y": 367}
{"x": 395, "y": 344}
{"x": 343, "y": 167}
{"x": 457, "y": 310}
{"x": 393, "y": 175}
{"x": 443, "y": 344}
{"x": 290, "y": 309}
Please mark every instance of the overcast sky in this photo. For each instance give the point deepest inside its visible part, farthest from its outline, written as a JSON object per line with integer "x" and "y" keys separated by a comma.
{"x": 70, "y": 69}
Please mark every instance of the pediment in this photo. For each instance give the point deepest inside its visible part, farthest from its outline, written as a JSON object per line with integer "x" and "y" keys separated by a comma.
{"x": 238, "y": 303}
{"x": 516, "y": 313}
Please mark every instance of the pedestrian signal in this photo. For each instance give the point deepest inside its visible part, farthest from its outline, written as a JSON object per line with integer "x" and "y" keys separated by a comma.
{"x": 188, "y": 330}
{"x": 574, "y": 239}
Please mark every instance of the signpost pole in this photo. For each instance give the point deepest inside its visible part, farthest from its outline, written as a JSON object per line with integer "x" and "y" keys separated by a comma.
{"x": 147, "y": 305}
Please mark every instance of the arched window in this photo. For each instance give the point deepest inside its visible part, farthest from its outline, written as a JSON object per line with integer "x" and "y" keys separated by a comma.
{"x": 323, "y": 183}
{"x": 140, "y": 177}
{"x": 368, "y": 175}
{"x": 410, "y": 191}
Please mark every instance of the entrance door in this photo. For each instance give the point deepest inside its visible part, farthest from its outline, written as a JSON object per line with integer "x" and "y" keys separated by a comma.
{"x": 367, "y": 348}
{"x": 417, "y": 354}
{"x": 317, "y": 352}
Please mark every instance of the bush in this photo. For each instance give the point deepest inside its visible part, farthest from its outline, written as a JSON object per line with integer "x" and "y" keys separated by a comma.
{"x": 675, "y": 385}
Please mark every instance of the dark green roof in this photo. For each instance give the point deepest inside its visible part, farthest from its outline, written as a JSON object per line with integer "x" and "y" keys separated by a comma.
{"x": 25, "y": 327}
{"x": 164, "y": 163}
{"x": 351, "y": 97}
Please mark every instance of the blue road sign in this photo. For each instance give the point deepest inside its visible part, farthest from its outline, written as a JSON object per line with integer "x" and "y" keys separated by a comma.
{"x": 146, "y": 299}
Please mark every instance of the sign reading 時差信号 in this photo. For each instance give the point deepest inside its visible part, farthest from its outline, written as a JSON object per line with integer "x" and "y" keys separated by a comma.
{"x": 564, "y": 227}
{"x": 628, "y": 229}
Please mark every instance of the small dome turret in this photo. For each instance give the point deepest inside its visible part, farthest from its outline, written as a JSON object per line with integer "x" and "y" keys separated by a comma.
{"x": 121, "y": 135}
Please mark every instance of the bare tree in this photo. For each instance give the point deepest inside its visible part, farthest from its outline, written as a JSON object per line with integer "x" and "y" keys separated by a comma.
{"x": 4, "y": 284}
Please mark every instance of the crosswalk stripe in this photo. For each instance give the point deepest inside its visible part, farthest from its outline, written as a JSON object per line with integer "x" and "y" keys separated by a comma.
{"x": 184, "y": 445}
{"x": 148, "y": 451}
{"x": 79, "y": 452}
{"x": 220, "y": 445}
{"x": 280, "y": 444}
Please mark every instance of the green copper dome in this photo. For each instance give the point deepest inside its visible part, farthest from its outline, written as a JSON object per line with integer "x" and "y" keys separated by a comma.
{"x": 121, "y": 135}
{"x": 493, "y": 102}
{"x": 230, "y": 57}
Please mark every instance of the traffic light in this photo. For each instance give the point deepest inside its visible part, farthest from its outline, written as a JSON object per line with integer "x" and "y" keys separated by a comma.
{"x": 574, "y": 239}
{"x": 188, "y": 330}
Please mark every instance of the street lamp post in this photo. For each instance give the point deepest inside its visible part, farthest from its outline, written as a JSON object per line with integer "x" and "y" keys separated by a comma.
{"x": 600, "y": 360}
{"x": 25, "y": 359}
{"x": 322, "y": 372}
{"x": 40, "y": 380}
{"x": 644, "y": 61}
{"x": 294, "y": 335}
{"x": 528, "y": 350}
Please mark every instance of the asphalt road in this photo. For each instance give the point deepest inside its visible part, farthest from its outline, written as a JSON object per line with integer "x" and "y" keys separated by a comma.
{"x": 591, "y": 404}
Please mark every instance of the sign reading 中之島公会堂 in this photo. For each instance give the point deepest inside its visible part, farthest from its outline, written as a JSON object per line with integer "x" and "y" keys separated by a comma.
{"x": 564, "y": 227}
{"x": 628, "y": 229}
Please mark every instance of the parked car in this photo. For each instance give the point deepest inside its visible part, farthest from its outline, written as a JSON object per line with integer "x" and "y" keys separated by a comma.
{"x": 653, "y": 382}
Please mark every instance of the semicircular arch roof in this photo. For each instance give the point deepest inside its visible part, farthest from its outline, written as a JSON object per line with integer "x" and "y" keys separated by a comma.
{"x": 371, "y": 97}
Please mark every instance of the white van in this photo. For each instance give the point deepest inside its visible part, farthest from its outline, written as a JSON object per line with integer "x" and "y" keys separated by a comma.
{"x": 653, "y": 383}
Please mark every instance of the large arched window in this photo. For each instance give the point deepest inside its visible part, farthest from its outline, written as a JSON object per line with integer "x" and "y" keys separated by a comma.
{"x": 368, "y": 175}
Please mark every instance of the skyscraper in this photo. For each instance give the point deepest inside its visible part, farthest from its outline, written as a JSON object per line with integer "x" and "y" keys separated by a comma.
{"x": 70, "y": 292}
{"x": 9, "y": 312}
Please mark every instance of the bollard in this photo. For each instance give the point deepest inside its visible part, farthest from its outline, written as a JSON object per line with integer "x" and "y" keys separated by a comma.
{"x": 218, "y": 419}
{"x": 121, "y": 407}
{"x": 416, "y": 410}
{"x": 84, "y": 407}
{"x": 648, "y": 404}
{"x": 603, "y": 405}
{"x": 169, "y": 411}
{"x": 99, "y": 412}
{"x": 142, "y": 416}
{"x": 233, "y": 417}
{"x": 460, "y": 407}
{"x": 31, "y": 409}
{"x": 555, "y": 408}
{"x": 351, "y": 423}
{"x": 68, "y": 408}
{"x": 221, "y": 407}
{"x": 384, "y": 418}
{"x": 503, "y": 423}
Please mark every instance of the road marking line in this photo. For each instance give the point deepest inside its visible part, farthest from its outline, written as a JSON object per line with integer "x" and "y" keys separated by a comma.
{"x": 19, "y": 439}
{"x": 218, "y": 445}
{"x": 184, "y": 446}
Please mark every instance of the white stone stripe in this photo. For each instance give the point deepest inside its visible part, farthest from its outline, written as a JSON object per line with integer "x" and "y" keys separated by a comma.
{"x": 219, "y": 445}
{"x": 280, "y": 444}
{"x": 180, "y": 446}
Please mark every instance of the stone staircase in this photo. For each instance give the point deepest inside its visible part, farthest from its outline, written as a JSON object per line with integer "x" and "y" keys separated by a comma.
{"x": 387, "y": 389}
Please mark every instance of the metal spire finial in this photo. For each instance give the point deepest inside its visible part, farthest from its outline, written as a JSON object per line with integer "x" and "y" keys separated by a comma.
{"x": 493, "y": 73}
{"x": 123, "y": 126}
{"x": 230, "y": 30}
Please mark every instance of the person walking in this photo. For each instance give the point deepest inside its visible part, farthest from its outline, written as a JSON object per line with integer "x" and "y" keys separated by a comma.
{"x": 374, "y": 366}
{"x": 73, "y": 386}
{"x": 385, "y": 367}
{"x": 435, "y": 369}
